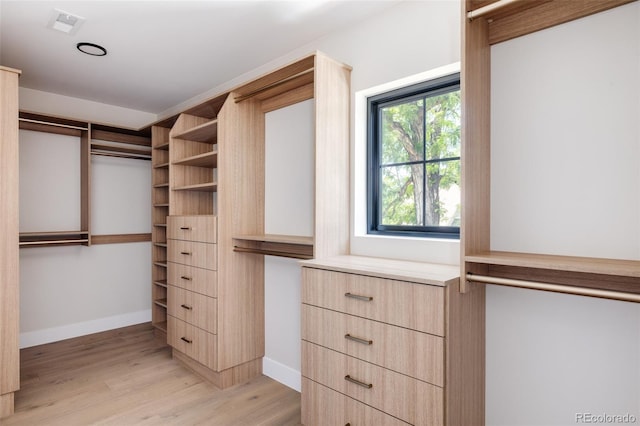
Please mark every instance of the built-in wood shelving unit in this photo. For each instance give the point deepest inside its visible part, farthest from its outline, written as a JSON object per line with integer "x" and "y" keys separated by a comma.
{"x": 486, "y": 23}
{"x": 159, "y": 213}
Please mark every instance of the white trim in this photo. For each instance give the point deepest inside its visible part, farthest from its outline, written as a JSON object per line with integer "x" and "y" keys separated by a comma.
{"x": 282, "y": 373}
{"x": 48, "y": 335}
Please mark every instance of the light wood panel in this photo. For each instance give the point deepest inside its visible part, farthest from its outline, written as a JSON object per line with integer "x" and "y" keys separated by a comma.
{"x": 241, "y": 211}
{"x": 194, "y": 342}
{"x": 203, "y": 281}
{"x": 9, "y": 260}
{"x": 408, "y": 399}
{"x": 127, "y": 377}
{"x": 405, "y": 351}
{"x": 332, "y": 408}
{"x": 120, "y": 238}
{"x": 193, "y": 228}
{"x": 200, "y": 255}
{"x": 193, "y": 308}
{"x": 416, "y": 306}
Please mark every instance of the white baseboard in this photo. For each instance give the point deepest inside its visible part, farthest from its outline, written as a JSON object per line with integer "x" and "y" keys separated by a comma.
{"x": 48, "y": 335}
{"x": 282, "y": 373}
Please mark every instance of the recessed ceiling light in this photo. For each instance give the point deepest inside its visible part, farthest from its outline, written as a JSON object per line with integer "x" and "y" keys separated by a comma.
{"x": 91, "y": 49}
{"x": 65, "y": 22}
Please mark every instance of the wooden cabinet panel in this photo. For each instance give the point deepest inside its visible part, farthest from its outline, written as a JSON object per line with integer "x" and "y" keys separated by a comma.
{"x": 410, "y": 400}
{"x": 203, "y": 281}
{"x": 201, "y": 255}
{"x": 328, "y": 407}
{"x": 194, "y": 308}
{"x": 193, "y": 228}
{"x": 405, "y": 351}
{"x": 416, "y": 306}
{"x": 192, "y": 341}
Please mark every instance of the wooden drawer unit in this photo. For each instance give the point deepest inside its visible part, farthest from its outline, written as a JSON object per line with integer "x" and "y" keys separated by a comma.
{"x": 199, "y": 280}
{"x": 388, "y": 341}
{"x": 415, "y": 306}
{"x": 405, "y": 351}
{"x": 193, "y": 308}
{"x": 201, "y": 255}
{"x": 192, "y": 341}
{"x": 328, "y": 407}
{"x": 404, "y": 397}
{"x": 192, "y": 228}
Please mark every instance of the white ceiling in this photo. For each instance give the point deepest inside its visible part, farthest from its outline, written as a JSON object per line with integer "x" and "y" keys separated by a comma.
{"x": 161, "y": 53}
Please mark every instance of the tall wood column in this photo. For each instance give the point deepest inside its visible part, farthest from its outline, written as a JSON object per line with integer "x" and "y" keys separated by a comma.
{"x": 9, "y": 270}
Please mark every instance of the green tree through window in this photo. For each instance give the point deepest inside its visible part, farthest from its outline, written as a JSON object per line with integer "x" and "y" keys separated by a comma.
{"x": 414, "y": 143}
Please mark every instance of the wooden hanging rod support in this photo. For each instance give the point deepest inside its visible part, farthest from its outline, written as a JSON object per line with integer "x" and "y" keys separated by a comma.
{"x": 271, "y": 252}
{"x": 241, "y": 98}
{"x": 48, "y": 123}
{"x": 485, "y": 10}
{"x": 557, "y": 288}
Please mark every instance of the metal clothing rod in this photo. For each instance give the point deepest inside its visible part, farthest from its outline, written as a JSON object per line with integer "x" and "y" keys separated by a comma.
{"x": 558, "y": 288}
{"x": 108, "y": 154}
{"x": 489, "y": 8}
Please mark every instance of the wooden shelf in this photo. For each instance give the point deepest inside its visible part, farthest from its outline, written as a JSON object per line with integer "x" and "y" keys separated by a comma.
{"x": 160, "y": 244}
{"x": 161, "y": 166}
{"x": 161, "y": 326}
{"x": 56, "y": 238}
{"x": 161, "y": 205}
{"x": 160, "y": 264}
{"x": 297, "y": 247}
{"x": 202, "y": 187}
{"x": 161, "y": 283}
{"x": 207, "y": 159}
{"x": 162, "y": 146}
{"x": 163, "y": 225}
{"x": 161, "y": 302}
{"x": 161, "y": 185}
{"x": 206, "y": 132}
{"x": 587, "y": 265}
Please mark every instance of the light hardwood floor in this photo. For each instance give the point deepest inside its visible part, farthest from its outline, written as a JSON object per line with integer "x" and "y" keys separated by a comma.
{"x": 127, "y": 377}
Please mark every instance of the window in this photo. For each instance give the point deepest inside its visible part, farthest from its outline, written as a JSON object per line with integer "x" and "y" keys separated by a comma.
{"x": 414, "y": 160}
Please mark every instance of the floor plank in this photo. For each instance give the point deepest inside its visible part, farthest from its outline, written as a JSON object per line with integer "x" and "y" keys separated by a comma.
{"x": 127, "y": 377}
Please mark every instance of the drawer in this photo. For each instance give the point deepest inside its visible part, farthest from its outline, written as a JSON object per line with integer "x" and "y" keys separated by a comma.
{"x": 322, "y": 406}
{"x": 203, "y": 281}
{"x": 192, "y": 341}
{"x": 201, "y": 255}
{"x": 406, "y": 398}
{"x": 192, "y": 228}
{"x": 416, "y": 306}
{"x": 410, "y": 352}
{"x": 194, "y": 308}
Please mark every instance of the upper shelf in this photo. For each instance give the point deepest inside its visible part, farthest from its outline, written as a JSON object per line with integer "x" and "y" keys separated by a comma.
{"x": 513, "y": 18}
{"x": 207, "y": 159}
{"x": 588, "y": 265}
{"x": 206, "y": 132}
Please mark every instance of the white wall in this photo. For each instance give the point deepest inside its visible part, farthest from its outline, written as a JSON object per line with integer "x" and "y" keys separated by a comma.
{"x": 289, "y": 203}
{"x": 565, "y": 180}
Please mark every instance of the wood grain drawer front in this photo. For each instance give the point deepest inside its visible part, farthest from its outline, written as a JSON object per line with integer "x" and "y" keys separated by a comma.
{"x": 406, "y": 398}
{"x": 416, "y": 306}
{"x": 192, "y": 341}
{"x": 322, "y": 406}
{"x": 201, "y": 255}
{"x": 194, "y": 308}
{"x": 409, "y": 352}
{"x": 192, "y": 228}
{"x": 203, "y": 281}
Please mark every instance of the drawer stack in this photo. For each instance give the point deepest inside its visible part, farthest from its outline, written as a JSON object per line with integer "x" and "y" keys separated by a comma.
{"x": 192, "y": 287}
{"x": 374, "y": 348}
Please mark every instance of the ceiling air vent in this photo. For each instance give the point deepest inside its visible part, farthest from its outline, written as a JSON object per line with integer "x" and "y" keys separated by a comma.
{"x": 65, "y": 21}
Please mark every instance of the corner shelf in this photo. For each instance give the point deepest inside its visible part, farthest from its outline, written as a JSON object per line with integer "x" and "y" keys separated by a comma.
{"x": 202, "y": 187}
{"x": 206, "y": 132}
{"x": 296, "y": 247}
{"x": 208, "y": 159}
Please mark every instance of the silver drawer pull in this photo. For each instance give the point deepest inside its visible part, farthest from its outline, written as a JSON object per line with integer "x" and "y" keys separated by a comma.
{"x": 358, "y": 339}
{"x": 186, "y": 253}
{"x": 348, "y": 378}
{"x": 359, "y": 297}
{"x": 186, "y": 307}
{"x": 185, "y": 228}
{"x": 184, "y": 339}
{"x": 185, "y": 278}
